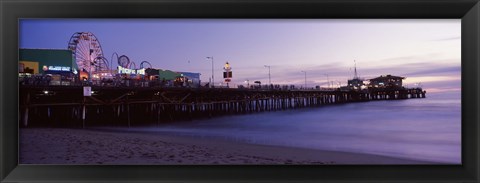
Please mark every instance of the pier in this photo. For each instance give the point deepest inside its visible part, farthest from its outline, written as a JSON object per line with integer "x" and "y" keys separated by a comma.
{"x": 59, "y": 106}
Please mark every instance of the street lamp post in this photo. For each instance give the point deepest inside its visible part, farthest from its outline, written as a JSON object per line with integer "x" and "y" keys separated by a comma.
{"x": 328, "y": 81}
{"x": 305, "y": 79}
{"x": 269, "y": 78}
{"x": 213, "y": 78}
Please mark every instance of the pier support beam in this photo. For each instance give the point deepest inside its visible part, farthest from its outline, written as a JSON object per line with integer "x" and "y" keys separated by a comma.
{"x": 83, "y": 113}
{"x": 25, "y": 115}
{"x": 165, "y": 104}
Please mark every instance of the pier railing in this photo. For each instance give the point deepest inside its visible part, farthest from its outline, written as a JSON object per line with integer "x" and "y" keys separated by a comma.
{"x": 66, "y": 106}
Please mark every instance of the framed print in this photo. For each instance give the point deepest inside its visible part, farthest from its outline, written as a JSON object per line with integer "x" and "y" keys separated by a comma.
{"x": 240, "y": 91}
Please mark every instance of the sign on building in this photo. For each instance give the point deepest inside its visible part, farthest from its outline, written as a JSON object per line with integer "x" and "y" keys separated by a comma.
{"x": 227, "y": 74}
{"x": 123, "y": 70}
{"x": 87, "y": 91}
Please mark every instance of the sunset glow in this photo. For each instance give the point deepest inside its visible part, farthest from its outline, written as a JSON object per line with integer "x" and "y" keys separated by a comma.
{"x": 426, "y": 51}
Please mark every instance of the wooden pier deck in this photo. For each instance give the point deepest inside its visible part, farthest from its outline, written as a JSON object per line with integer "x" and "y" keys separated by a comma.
{"x": 66, "y": 105}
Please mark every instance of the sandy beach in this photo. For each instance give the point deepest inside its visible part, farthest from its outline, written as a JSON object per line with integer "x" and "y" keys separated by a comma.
{"x": 93, "y": 146}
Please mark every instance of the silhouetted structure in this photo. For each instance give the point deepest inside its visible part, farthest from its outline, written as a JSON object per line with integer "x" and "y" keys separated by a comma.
{"x": 387, "y": 81}
{"x": 66, "y": 106}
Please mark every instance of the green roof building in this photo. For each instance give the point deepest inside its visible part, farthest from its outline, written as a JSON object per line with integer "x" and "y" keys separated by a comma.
{"x": 167, "y": 75}
{"x": 41, "y": 60}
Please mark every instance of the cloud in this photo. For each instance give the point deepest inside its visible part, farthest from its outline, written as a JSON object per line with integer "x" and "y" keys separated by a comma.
{"x": 442, "y": 86}
{"x": 447, "y": 38}
{"x": 436, "y": 71}
{"x": 435, "y": 74}
{"x": 428, "y": 68}
{"x": 403, "y": 59}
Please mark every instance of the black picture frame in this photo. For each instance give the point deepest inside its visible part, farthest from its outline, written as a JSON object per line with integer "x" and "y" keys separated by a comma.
{"x": 466, "y": 10}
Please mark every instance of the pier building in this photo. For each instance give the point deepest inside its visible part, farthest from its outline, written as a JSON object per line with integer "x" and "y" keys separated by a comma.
{"x": 54, "y": 66}
{"x": 191, "y": 78}
{"x": 356, "y": 83}
{"x": 386, "y": 81}
{"x": 40, "y": 61}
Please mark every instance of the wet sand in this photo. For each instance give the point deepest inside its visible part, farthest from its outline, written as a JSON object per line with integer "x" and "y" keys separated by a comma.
{"x": 91, "y": 146}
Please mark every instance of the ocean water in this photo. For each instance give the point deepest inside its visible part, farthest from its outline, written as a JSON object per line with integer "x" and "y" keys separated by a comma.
{"x": 427, "y": 129}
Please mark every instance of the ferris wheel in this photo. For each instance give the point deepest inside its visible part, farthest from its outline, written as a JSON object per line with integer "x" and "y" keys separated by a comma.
{"x": 87, "y": 51}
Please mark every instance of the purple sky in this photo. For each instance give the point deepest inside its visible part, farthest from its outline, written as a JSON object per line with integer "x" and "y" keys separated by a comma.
{"x": 426, "y": 51}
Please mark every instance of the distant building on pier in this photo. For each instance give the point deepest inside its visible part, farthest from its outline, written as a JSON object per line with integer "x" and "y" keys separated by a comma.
{"x": 44, "y": 61}
{"x": 191, "y": 78}
{"x": 387, "y": 81}
{"x": 173, "y": 78}
{"x": 47, "y": 66}
{"x": 356, "y": 83}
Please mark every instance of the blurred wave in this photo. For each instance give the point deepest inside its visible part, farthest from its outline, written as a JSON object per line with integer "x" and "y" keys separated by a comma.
{"x": 420, "y": 129}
